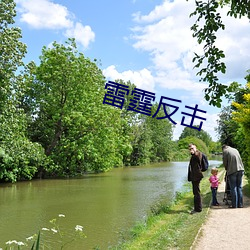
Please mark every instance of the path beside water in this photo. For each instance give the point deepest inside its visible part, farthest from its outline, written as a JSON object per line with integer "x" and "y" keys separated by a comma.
{"x": 225, "y": 228}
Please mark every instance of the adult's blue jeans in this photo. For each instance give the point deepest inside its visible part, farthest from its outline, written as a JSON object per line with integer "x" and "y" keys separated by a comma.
{"x": 235, "y": 182}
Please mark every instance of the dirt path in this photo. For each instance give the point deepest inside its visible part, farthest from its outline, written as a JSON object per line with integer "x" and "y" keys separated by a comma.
{"x": 225, "y": 228}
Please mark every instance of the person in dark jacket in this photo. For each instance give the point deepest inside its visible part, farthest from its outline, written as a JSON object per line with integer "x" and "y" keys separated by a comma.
{"x": 235, "y": 170}
{"x": 195, "y": 175}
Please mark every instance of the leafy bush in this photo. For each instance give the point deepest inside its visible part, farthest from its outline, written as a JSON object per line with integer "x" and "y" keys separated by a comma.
{"x": 201, "y": 146}
{"x": 20, "y": 159}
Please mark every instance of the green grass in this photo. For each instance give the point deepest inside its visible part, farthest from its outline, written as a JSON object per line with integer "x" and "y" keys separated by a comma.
{"x": 246, "y": 188}
{"x": 170, "y": 226}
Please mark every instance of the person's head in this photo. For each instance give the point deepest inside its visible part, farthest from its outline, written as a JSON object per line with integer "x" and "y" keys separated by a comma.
{"x": 192, "y": 148}
{"x": 214, "y": 171}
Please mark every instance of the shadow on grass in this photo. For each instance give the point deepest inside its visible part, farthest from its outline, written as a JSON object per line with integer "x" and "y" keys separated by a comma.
{"x": 183, "y": 204}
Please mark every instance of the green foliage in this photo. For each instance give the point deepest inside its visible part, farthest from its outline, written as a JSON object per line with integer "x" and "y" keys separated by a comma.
{"x": 238, "y": 8}
{"x": 233, "y": 123}
{"x": 141, "y": 144}
{"x": 161, "y": 136}
{"x": 242, "y": 117}
{"x": 181, "y": 154}
{"x": 210, "y": 18}
{"x": 67, "y": 116}
{"x": 227, "y": 127}
{"x": 207, "y": 24}
{"x": 215, "y": 147}
{"x": 12, "y": 50}
{"x": 151, "y": 139}
{"x": 36, "y": 243}
{"x": 203, "y": 135}
{"x": 201, "y": 146}
{"x": 20, "y": 158}
{"x": 147, "y": 139}
{"x": 52, "y": 118}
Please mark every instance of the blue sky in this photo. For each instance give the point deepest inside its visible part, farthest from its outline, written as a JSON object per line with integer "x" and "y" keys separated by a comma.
{"x": 148, "y": 42}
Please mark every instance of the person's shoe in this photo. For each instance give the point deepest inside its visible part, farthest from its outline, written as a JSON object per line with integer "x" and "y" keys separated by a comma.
{"x": 194, "y": 212}
{"x": 241, "y": 206}
{"x": 217, "y": 204}
{"x": 231, "y": 206}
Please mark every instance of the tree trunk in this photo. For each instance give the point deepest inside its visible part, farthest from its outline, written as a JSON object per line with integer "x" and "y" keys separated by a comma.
{"x": 56, "y": 139}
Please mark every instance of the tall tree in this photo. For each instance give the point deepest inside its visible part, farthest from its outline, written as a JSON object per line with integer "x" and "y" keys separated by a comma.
{"x": 227, "y": 127}
{"x": 242, "y": 117}
{"x": 208, "y": 23}
{"x": 12, "y": 51}
{"x": 19, "y": 158}
{"x": 202, "y": 135}
{"x": 230, "y": 130}
{"x": 68, "y": 116}
{"x": 161, "y": 136}
{"x": 152, "y": 138}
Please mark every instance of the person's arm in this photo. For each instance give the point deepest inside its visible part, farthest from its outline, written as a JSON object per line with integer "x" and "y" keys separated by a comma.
{"x": 224, "y": 158}
{"x": 210, "y": 180}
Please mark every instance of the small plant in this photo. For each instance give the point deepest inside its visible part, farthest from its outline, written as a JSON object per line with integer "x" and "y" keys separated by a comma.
{"x": 48, "y": 237}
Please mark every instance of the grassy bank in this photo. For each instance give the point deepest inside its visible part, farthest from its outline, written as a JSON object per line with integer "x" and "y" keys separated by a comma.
{"x": 170, "y": 227}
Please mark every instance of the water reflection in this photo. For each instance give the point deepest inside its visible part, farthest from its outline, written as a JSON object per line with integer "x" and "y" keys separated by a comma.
{"x": 105, "y": 204}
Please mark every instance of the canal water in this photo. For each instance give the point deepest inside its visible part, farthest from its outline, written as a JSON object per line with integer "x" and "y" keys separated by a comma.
{"x": 106, "y": 204}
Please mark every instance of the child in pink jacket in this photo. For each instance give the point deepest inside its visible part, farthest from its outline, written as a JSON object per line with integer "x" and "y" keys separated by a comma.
{"x": 214, "y": 186}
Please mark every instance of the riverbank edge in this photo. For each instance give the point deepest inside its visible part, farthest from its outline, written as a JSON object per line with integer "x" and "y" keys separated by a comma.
{"x": 171, "y": 226}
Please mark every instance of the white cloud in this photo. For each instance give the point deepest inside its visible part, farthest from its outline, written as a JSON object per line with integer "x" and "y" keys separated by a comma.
{"x": 177, "y": 131}
{"x": 165, "y": 33}
{"x": 44, "y": 14}
{"x": 83, "y": 34}
{"x": 142, "y": 79}
{"x": 210, "y": 124}
{"x": 178, "y": 79}
{"x": 159, "y": 12}
{"x": 234, "y": 41}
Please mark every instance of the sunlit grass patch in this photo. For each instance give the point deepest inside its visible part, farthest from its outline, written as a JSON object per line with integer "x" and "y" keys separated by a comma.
{"x": 170, "y": 226}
